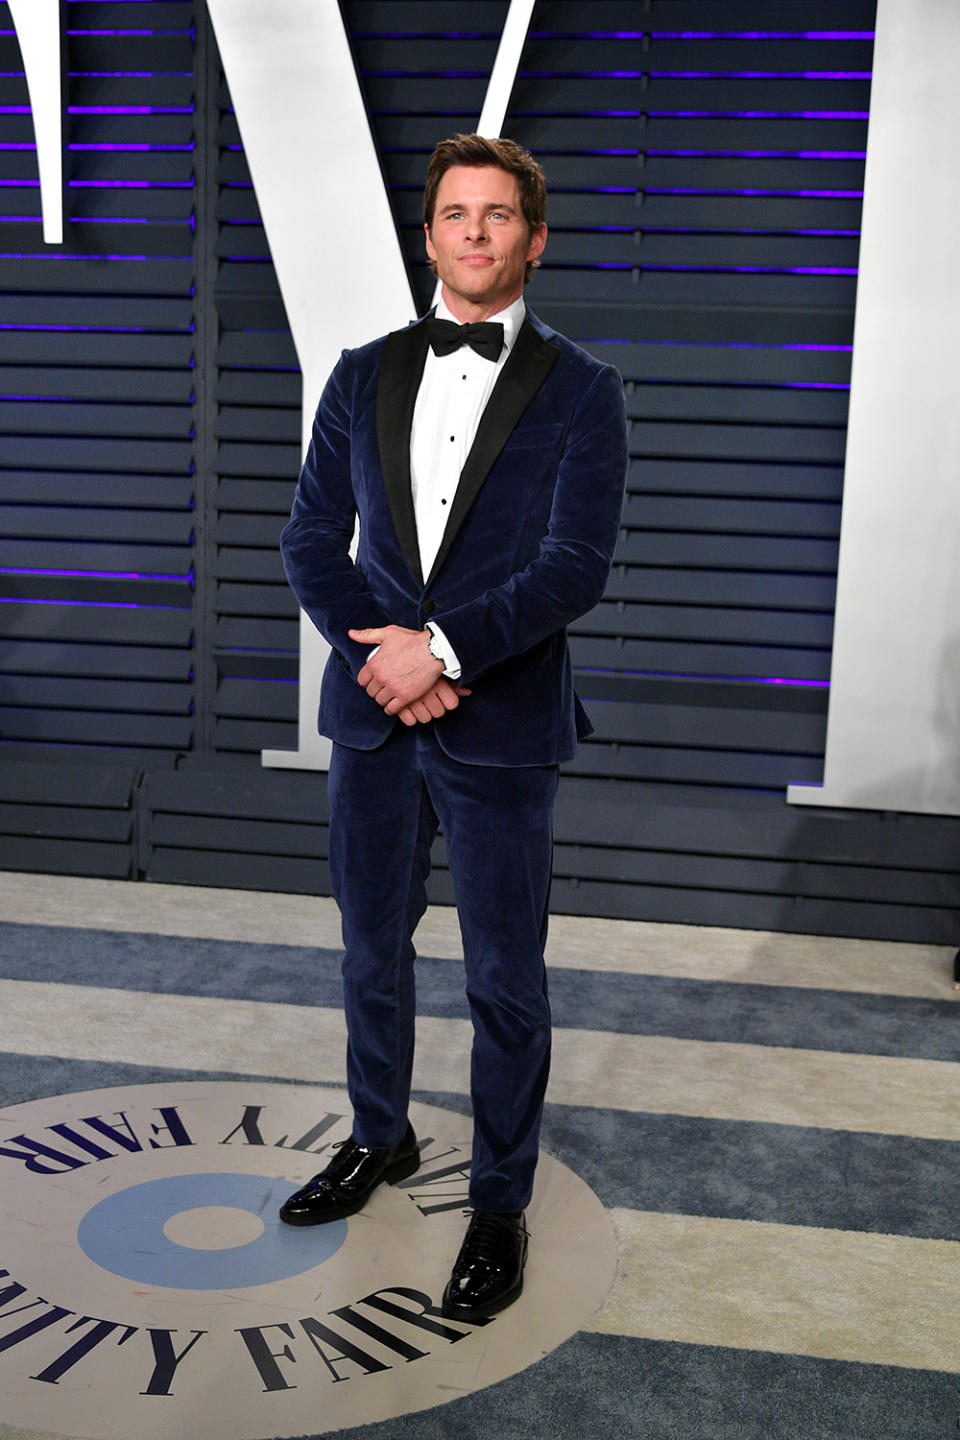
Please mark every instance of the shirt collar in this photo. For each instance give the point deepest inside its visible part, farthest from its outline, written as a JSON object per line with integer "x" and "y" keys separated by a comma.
{"x": 511, "y": 319}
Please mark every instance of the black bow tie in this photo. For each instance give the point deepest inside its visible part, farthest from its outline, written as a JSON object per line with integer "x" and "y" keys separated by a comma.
{"x": 486, "y": 337}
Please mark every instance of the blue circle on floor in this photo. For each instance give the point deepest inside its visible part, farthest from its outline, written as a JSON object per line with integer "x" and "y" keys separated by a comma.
{"x": 123, "y": 1233}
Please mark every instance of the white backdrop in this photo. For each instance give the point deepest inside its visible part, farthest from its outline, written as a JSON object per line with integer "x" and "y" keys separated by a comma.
{"x": 893, "y": 735}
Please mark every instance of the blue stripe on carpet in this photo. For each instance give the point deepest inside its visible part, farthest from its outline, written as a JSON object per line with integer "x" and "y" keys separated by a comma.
{"x": 640, "y": 1004}
{"x": 612, "y": 1387}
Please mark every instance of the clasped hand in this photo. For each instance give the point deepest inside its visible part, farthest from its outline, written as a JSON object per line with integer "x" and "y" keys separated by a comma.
{"x": 404, "y": 678}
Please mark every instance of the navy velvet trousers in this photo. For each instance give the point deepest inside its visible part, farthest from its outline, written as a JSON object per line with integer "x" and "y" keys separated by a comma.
{"x": 385, "y": 808}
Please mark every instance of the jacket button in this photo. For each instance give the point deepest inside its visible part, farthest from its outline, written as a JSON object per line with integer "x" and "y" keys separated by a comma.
{"x": 427, "y": 607}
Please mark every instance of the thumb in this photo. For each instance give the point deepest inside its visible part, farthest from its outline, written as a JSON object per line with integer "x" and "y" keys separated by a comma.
{"x": 367, "y": 637}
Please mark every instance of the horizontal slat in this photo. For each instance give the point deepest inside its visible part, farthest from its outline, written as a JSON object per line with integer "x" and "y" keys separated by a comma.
{"x": 100, "y": 523}
{"x": 251, "y": 736}
{"x": 716, "y": 587}
{"x": 48, "y": 821}
{"x": 64, "y": 418}
{"x": 771, "y": 877}
{"x": 686, "y": 292}
{"x": 538, "y": 93}
{"x": 246, "y": 632}
{"x": 98, "y": 693}
{"x": 93, "y": 488}
{"x": 701, "y": 725}
{"x": 67, "y": 785}
{"x": 89, "y": 93}
{"x": 263, "y": 496}
{"x": 667, "y": 475}
{"x": 671, "y": 656}
{"x": 259, "y": 423}
{"x": 754, "y": 516}
{"x": 99, "y": 313}
{"x": 260, "y": 795}
{"x": 251, "y": 837}
{"x": 90, "y": 589}
{"x": 100, "y": 728}
{"x": 120, "y": 277}
{"x": 733, "y": 552}
{"x": 568, "y": 16}
{"x": 258, "y": 351}
{"x": 67, "y": 857}
{"x": 161, "y": 387}
{"x": 744, "y": 442}
{"x": 96, "y": 349}
{"x": 239, "y": 388}
{"x": 702, "y": 622}
{"x": 761, "y": 364}
{"x": 107, "y": 624}
{"x": 130, "y": 562}
{"x": 242, "y": 872}
{"x": 258, "y": 600}
{"x": 44, "y": 452}
{"x": 664, "y": 764}
{"x": 247, "y": 699}
{"x": 748, "y": 825}
{"x": 53, "y": 657}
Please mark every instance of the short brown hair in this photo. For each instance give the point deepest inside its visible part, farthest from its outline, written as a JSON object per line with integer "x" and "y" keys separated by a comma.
{"x": 505, "y": 155}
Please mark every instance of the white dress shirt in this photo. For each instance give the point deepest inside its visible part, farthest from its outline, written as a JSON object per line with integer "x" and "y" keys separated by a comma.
{"x": 453, "y": 395}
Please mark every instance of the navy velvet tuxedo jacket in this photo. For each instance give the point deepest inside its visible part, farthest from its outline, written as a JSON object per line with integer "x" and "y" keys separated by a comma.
{"x": 527, "y": 547}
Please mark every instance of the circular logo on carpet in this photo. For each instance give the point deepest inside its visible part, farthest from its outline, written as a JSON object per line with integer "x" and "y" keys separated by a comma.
{"x": 148, "y": 1288}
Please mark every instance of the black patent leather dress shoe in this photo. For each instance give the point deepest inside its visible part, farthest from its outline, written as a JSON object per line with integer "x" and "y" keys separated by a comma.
{"x": 488, "y": 1274}
{"x": 347, "y": 1183}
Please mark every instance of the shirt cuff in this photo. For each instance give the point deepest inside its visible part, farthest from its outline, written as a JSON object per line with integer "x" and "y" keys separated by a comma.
{"x": 451, "y": 664}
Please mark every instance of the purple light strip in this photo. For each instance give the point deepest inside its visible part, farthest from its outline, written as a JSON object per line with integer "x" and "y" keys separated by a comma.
{"x": 112, "y": 109}
{"x": 660, "y": 74}
{"x": 63, "y": 255}
{"x": 759, "y": 114}
{"x": 693, "y": 190}
{"x": 129, "y": 32}
{"x": 707, "y": 35}
{"x": 124, "y": 148}
{"x": 89, "y": 604}
{"x": 126, "y": 74}
{"x": 739, "y": 680}
{"x": 748, "y": 154}
{"x": 728, "y": 269}
{"x": 96, "y": 329}
{"x": 126, "y": 184}
{"x": 107, "y": 110}
{"x": 187, "y": 577}
{"x": 714, "y": 344}
{"x": 127, "y": 147}
{"x": 704, "y": 230}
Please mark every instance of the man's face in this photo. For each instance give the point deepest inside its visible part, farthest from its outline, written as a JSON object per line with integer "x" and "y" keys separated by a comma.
{"x": 480, "y": 240}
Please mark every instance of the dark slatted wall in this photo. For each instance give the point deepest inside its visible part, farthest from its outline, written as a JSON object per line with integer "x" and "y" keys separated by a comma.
{"x": 705, "y": 162}
{"x": 97, "y": 439}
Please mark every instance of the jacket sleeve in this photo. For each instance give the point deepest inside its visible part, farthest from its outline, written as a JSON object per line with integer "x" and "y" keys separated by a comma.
{"x": 569, "y": 574}
{"x": 316, "y": 541}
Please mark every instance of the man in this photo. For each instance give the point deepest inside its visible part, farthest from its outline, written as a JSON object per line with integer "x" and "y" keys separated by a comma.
{"x": 489, "y": 484}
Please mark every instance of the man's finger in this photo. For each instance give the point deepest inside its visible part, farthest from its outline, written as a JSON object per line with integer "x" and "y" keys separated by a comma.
{"x": 368, "y": 637}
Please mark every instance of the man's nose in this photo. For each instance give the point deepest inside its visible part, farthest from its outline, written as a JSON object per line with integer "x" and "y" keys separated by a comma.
{"x": 477, "y": 229}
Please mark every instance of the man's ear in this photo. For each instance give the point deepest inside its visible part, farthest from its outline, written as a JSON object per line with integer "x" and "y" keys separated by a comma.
{"x": 537, "y": 242}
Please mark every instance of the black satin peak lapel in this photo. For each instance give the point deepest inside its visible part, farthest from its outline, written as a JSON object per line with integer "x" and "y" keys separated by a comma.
{"x": 401, "y": 368}
{"x": 530, "y": 362}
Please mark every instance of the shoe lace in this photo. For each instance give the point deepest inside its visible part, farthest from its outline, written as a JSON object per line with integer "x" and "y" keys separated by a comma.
{"x": 486, "y": 1234}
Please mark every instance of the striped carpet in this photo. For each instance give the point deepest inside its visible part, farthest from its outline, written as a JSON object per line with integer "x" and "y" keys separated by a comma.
{"x": 771, "y": 1121}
